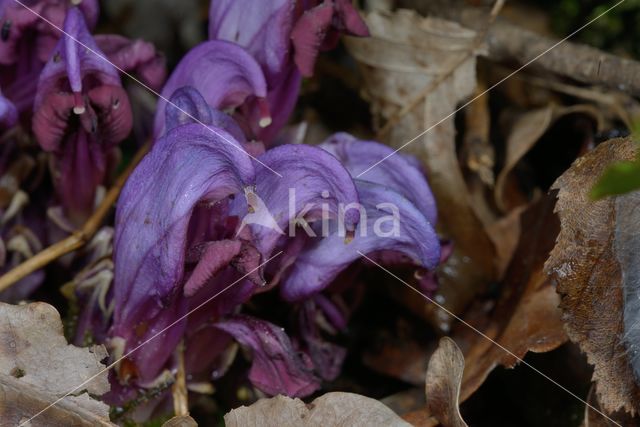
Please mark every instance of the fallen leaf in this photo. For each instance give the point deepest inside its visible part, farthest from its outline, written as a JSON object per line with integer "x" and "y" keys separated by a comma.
{"x": 526, "y": 318}
{"x": 331, "y": 409}
{"x": 444, "y": 376}
{"x": 595, "y": 419}
{"x": 593, "y": 264}
{"x": 405, "y": 54}
{"x": 181, "y": 421}
{"x": 527, "y": 130}
{"x": 406, "y": 400}
{"x": 37, "y": 367}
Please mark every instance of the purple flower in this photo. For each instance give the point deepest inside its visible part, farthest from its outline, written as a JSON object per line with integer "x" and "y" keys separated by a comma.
{"x": 158, "y": 243}
{"x": 171, "y": 257}
{"x": 319, "y": 264}
{"x": 262, "y": 28}
{"x": 398, "y": 213}
{"x": 399, "y": 172}
{"x": 81, "y": 114}
{"x": 284, "y": 36}
{"x": 223, "y": 73}
{"x": 312, "y": 180}
{"x": 26, "y": 43}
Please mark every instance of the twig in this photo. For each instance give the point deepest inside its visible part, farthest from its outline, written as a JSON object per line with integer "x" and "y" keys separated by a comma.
{"x": 509, "y": 43}
{"x": 477, "y": 42}
{"x": 614, "y": 100}
{"x": 77, "y": 239}
{"x": 179, "y": 388}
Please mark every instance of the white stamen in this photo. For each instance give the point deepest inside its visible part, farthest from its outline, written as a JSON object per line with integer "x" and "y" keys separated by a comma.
{"x": 264, "y": 122}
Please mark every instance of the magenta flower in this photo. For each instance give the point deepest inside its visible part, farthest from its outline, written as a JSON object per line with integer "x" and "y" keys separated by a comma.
{"x": 26, "y": 43}
{"x": 81, "y": 114}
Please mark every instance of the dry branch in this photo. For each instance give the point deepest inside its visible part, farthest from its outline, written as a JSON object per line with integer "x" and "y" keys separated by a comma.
{"x": 507, "y": 42}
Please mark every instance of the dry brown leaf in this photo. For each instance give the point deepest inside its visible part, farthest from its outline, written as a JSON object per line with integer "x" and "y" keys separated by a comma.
{"x": 37, "y": 366}
{"x": 442, "y": 386}
{"x": 595, "y": 419}
{"x": 526, "y": 318}
{"x": 329, "y": 410}
{"x": 585, "y": 265}
{"x": 181, "y": 421}
{"x": 404, "y": 54}
{"x": 525, "y": 132}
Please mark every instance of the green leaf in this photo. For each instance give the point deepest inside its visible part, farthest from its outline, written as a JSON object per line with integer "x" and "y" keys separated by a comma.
{"x": 619, "y": 178}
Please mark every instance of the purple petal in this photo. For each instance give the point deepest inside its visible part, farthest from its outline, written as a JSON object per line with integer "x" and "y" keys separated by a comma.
{"x": 315, "y": 268}
{"x": 318, "y": 29}
{"x": 281, "y": 100}
{"x": 189, "y": 165}
{"x": 398, "y": 172}
{"x": 8, "y": 113}
{"x": 188, "y": 104}
{"x": 326, "y": 356}
{"x": 207, "y": 350}
{"x": 264, "y": 31}
{"x": 276, "y": 367}
{"x": 310, "y": 174}
{"x": 145, "y": 365}
{"x": 81, "y": 167}
{"x": 217, "y": 255}
{"x": 74, "y": 61}
{"x": 224, "y": 73}
{"x": 83, "y": 149}
{"x": 262, "y": 28}
{"x": 135, "y": 56}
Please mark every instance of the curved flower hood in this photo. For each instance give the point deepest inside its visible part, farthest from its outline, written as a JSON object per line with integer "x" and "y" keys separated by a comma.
{"x": 223, "y": 73}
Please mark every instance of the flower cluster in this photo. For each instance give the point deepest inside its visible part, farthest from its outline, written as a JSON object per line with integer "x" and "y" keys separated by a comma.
{"x": 60, "y": 87}
{"x": 220, "y": 210}
{"x": 200, "y": 225}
